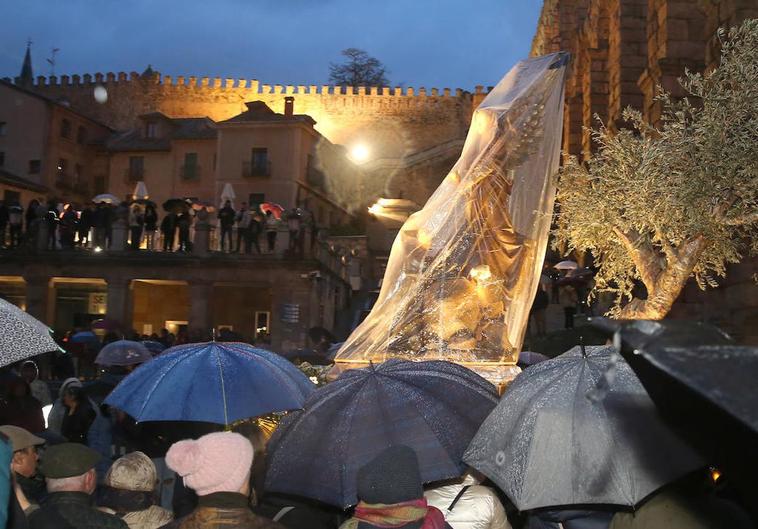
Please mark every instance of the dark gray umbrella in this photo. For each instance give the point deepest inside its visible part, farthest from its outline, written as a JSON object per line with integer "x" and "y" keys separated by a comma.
{"x": 578, "y": 430}
{"x": 433, "y": 407}
{"x": 123, "y": 353}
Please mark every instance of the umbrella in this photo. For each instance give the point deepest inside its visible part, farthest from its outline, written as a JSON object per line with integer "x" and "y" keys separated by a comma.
{"x": 434, "y": 407}
{"x": 154, "y": 347}
{"x": 107, "y": 198}
{"x": 703, "y": 386}
{"x": 123, "y": 353}
{"x": 140, "y": 191}
{"x": 228, "y": 194}
{"x": 84, "y": 337}
{"x": 529, "y": 358}
{"x": 175, "y": 205}
{"x": 211, "y": 382}
{"x": 578, "y": 429}
{"x": 275, "y": 209}
{"x": 566, "y": 265}
{"x": 21, "y": 335}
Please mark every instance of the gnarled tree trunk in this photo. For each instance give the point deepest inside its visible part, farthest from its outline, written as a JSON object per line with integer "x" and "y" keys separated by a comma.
{"x": 665, "y": 285}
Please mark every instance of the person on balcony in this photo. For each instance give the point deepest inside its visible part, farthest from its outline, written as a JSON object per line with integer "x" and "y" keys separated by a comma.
{"x": 226, "y": 218}
{"x": 136, "y": 224}
{"x": 151, "y": 225}
{"x": 272, "y": 227}
{"x": 243, "y": 223}
{"x": 168, "y": 229}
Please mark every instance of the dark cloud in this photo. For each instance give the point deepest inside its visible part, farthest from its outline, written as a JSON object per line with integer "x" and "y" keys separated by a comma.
{"x": 432, "y": 43}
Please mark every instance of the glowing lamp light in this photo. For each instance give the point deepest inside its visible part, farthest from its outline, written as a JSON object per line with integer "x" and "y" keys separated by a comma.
{"x": 359, "y": 153}
{"x": 715, "y": 474}
{"x": 98, "y": 249}
{"x": 374, "y": 209}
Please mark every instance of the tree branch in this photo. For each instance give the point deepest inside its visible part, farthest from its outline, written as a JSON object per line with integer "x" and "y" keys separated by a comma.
{"x": 750, "y": 218}
{"x": 643, "y": 256}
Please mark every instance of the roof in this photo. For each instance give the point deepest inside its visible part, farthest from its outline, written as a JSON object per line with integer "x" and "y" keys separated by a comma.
{"x": 260, "y": 112}
{"x": 181, "y": 129}
{"x": 11, "y": 179}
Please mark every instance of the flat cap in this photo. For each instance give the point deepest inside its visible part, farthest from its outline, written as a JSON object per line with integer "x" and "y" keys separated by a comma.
{"x": 67, "y": 460}
{"x": 20, "y": 438}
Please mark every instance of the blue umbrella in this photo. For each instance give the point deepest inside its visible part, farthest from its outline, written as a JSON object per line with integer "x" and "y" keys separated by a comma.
{"x": 434, "y": 407}
{"x": 123, "y": 353}
{"x": 84, "y": 337}
{"x": 154, "y": 347}
{"x": 218, "y": 382}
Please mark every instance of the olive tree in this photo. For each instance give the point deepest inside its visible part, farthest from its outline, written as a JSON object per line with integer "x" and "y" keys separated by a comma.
{"x": 659, "y": 205}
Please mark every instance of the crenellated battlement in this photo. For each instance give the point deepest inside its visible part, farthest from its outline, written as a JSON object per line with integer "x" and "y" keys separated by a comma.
{"x": 251, "y": 86}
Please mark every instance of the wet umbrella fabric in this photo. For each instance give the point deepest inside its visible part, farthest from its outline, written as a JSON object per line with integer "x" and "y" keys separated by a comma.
{"x": 21, "y": 335}
{"x": 272, "y": 207}
{"x": 434, "y": 407}
{"x": 123, "y": 353}
{"x": 578, "y": 430}
{"x": 211, "y": 382}
{"x": 154, "y": 347}
{"x": 84, "y": 337}
{"x": 529, "y": 358}
{"x": 566, "y": 265}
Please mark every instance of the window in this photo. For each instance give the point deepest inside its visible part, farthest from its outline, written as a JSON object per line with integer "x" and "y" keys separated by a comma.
{"x": 2, "y": 159}
{"x": 34, "y": 166}
{"x": 259, "y": 162}
{"x": 190, "y": 168}
{"x": 3, "y": 128}
{"x": 65, "y": 128}
{"x": 151, "y": 130}
{"x": 136, "y": 169}
{"x": 81, "y": 135}
{"x": 256, "y": 199}
{"x": 262, "y": 325}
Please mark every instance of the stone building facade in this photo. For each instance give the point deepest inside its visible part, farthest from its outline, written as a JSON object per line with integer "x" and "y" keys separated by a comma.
{"x": 622, "y": 51}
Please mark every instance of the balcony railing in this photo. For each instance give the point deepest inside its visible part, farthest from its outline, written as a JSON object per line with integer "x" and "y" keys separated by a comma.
{"x": 190, "y": 172}
{"x": 250, "y": 169}
{"x": 134, "y": 174}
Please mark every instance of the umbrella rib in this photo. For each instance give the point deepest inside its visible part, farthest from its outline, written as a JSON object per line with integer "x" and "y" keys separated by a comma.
{"x": 223, "y": 387}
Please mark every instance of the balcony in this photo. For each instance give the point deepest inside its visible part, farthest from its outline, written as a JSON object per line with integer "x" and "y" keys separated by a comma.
{"x": 190, "y": 172}
{"x": 250, "y": 169}
{"x": 134, "y": 174}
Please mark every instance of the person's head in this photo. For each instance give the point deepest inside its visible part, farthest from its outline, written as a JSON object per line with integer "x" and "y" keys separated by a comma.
{"x": 19, "y": 387}
{"x": 228, "y": 204}
{"x": 24, "y": 446}
{"x": 268, "y": 213}
{"x": 391, "y": 477}
{"x": 73, "y": 396}
{"x": 217, "y": 462}
{"x": 70, "y": 467}
{"x": 29, "y": 371}
{"x": 243, "y": 205}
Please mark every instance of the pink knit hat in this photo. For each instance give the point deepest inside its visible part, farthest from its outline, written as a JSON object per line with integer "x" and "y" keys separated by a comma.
{"x": 217, "y": 462}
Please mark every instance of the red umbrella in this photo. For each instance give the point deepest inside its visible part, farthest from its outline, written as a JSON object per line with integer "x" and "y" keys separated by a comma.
{"x": 275, "y": 209}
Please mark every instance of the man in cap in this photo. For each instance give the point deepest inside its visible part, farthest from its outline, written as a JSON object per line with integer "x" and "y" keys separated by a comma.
{"x": 69, "y": 471}
{"x": 24, "y": 462}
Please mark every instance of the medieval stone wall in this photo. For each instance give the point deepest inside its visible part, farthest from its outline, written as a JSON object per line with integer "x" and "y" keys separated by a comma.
{"x": 391, "y": 122}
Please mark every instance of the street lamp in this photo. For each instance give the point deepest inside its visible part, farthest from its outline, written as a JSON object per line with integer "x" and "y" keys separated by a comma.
{"x": 359, "y": 153}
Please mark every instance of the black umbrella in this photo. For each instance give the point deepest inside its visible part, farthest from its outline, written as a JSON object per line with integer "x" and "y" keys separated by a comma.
{"x": 434, "y": 407}
{"x": 175, "y": 205}
{"x": 578, "y": 430}
{"x": 704, "y": 387}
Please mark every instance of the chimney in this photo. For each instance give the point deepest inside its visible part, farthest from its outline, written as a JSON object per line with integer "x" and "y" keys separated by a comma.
{"x": 289, "y": 106}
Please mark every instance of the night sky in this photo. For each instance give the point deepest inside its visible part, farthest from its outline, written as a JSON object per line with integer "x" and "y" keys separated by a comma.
{"x": 430, "y": 43}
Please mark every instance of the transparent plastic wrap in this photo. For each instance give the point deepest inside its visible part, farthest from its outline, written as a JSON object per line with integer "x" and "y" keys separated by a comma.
{"x": 464, "y": 270}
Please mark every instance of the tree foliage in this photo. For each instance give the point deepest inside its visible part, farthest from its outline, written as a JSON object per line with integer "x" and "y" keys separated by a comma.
{"x": 359, "y": 69}
{"x": 660, "y": 205}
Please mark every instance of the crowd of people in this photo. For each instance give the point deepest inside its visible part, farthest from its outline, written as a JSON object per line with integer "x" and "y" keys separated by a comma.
{"x": 77, "y": 462}
{"x": 91, "y": 226}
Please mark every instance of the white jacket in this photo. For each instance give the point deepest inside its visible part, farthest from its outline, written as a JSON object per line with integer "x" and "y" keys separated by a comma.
{"x": 478, "y": 508}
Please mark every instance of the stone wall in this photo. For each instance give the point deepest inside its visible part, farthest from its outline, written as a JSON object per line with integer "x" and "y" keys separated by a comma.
{"x": 622, "y": 51}
{"x": 394, "y": 122}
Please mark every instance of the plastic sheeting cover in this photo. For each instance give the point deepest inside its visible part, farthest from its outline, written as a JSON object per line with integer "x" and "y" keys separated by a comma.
{"x": 463, "y": 271}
